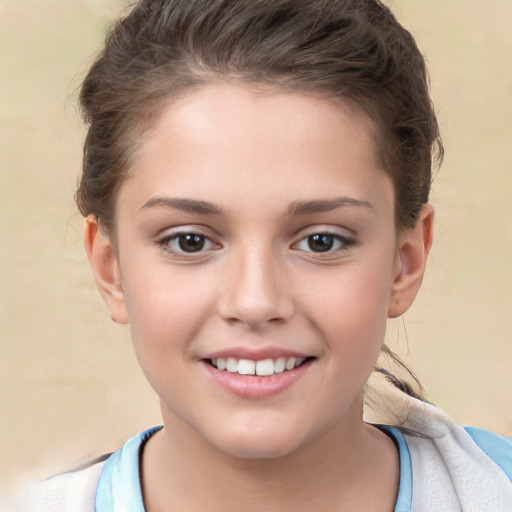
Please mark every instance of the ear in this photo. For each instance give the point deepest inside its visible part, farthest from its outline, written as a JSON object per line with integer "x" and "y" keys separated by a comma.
{"x": 105, "y": 268}
{"x": 413, "y": 247}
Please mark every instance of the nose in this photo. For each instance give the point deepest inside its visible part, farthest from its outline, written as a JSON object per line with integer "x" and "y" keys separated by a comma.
{"x": 255, "y": 291}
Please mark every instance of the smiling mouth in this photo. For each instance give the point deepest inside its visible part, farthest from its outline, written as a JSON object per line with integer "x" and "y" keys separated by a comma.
{"x": 261, "y": 368}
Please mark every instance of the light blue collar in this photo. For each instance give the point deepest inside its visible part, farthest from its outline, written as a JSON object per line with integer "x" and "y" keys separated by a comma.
{"x": 404, "y": 498}
{"x": 119, "y": 487}
{"x": 119, "y": 484}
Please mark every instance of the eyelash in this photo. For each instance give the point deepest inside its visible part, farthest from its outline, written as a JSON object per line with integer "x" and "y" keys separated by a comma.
{"x": 166, "y": 243}
{"x": 344, "y": 243}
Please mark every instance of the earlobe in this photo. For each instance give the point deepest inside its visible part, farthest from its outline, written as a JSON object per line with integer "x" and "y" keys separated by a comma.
{"x": 105, "y": 268}
{"x": 413, "y": 248}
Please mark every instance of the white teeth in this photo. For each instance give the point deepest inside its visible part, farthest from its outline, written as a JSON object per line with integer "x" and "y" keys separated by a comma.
{"x": 263, "y": 368}
{"x": 280, "y": 365}
{"x": 231, "y": 365}
{"x": 246, "y": 367}
{"x": 290, "y": 363}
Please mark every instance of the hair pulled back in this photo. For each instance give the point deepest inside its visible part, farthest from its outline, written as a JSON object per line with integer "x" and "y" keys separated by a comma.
{"x": 354, "y": 50}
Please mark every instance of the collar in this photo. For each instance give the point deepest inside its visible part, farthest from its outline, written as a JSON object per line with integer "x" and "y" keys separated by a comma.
{"x": 119, "y": 486}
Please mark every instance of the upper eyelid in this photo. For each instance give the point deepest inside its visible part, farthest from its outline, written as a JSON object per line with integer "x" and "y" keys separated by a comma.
{"x": 346, "y": 240}
{"x": 338, "y": 236}
{"x": 325, "y": 229}
{"x": 172, "y": 236}
{"x": 195, "y": 229}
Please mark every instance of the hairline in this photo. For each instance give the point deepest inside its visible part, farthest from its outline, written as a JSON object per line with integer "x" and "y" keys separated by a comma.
{"x": 136, "y": 133}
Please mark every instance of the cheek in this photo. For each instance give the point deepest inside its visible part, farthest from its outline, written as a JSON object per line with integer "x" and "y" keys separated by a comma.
{"x": 166, "y": 312}
{"x": 167, "y": 308}
{"x": 351, "y": 309}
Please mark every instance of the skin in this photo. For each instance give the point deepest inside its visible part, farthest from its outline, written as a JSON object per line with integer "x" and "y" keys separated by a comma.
{"x": 264, "y": 161}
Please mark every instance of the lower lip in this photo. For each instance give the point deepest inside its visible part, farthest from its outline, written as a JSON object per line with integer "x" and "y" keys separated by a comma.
{"x": 254, "y": 386}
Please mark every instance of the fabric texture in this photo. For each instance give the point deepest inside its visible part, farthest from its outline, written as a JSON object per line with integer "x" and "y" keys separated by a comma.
{"x": 69, "y": 492}
{"x": 453, "y": 469}
{"x": 443, "y": 466}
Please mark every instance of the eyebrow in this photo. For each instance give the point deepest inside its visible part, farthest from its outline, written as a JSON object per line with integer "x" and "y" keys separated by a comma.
{"x": 295, "y": 208}
{"x": 325, "y": 205}
{"x": 183, "y": 204}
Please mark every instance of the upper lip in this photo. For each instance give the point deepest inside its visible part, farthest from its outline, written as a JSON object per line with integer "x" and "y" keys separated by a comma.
{"x": 255, "y": 354}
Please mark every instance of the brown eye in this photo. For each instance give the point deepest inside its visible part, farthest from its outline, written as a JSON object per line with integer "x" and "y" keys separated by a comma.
{"x": 191, "y": 242}
{"x": 321, "y": 242}
{"x": 330, "y": 244}
{"x": 187, "y": 244}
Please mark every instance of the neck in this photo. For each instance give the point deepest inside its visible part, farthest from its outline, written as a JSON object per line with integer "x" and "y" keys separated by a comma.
{"x": 182, "y": 471}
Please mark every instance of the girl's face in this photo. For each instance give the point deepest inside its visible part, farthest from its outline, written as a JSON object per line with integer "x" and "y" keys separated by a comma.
{"x": 257, "y": 232}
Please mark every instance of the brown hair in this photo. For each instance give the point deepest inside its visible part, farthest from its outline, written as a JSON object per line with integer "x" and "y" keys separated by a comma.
{"x": 350, "y": 49}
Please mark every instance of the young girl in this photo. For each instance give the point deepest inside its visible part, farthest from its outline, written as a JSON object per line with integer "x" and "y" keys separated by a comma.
{"x": 255, "y": 186}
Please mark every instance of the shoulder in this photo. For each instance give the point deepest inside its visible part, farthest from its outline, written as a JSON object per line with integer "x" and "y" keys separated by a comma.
{"x": 74, "y": 492}
{"x": 451, "y": 467}
{"x": 497, "y": 448}
{"x": 111, "y": 482}
{"x": 465, "y": 452}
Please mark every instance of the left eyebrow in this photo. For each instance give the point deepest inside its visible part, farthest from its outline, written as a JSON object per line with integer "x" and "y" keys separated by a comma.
{"x": 183, "y": 204}
{"x": 325, "y": 205}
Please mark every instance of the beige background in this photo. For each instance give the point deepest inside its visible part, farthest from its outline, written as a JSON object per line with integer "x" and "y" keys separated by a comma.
{"x": 71, "y": 388}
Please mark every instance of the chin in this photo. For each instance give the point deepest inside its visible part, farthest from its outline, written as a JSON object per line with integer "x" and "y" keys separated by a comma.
{"x": 258, "y": 449}
{"x": 259, "y": 442}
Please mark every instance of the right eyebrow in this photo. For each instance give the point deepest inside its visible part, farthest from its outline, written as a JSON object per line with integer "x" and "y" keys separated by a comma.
{"x": 326, "y": 205}
{"x": 183, "y": 204}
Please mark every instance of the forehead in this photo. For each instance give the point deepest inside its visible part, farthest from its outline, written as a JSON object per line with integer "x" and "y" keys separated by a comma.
{"x": 224, "y": 137}
{"x": 258, "y": 112}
